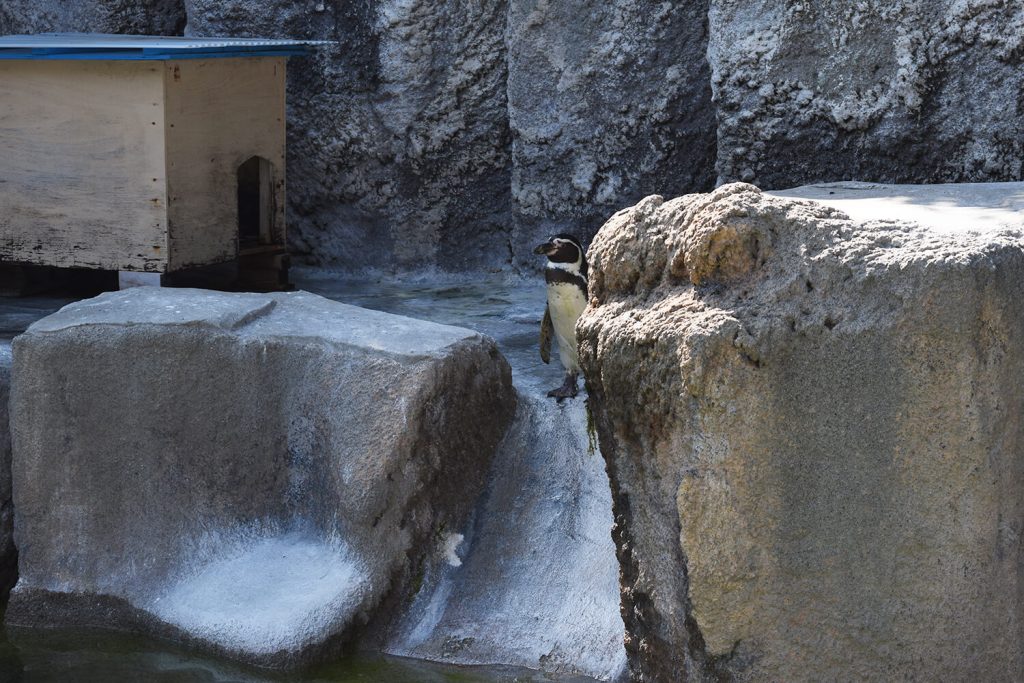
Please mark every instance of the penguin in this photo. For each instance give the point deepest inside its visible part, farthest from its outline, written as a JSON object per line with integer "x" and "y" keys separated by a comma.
{"x": 566, "y": 277}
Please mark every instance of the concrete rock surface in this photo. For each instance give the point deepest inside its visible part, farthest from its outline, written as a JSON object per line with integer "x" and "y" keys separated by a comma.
{"x": 903, "y": 91}
{"x": 249, "y": 473}
{"x": 814, "y": 431}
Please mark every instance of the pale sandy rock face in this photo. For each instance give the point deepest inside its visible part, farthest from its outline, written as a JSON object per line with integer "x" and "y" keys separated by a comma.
{"x": 813, "y": 431}
{"x": 253, "y": 474}
{"x": 902, "y": 91}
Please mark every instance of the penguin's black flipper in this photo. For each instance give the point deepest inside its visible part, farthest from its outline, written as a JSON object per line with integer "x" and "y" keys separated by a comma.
{"x": 547, "y": 330}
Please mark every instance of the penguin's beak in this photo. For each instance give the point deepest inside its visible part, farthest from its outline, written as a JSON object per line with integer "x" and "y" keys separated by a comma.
{"x": 544, "y": 248}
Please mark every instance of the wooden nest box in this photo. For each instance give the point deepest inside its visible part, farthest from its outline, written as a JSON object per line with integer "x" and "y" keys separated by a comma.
{"x": 143, "y": 154}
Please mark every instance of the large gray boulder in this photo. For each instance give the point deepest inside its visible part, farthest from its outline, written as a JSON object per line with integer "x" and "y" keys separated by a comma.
{"x": 814, "y": 431}
{"x": 252, "y": 474}
{"x": 607, "y": 102}
{"x": 901, "y": 91}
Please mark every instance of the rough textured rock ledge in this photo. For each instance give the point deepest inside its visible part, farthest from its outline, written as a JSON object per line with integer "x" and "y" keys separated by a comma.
{"x": 253, "y": 474}
{"x": 814, "y": 429}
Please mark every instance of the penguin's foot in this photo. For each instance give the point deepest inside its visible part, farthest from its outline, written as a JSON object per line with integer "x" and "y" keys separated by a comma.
{"x": 567, "y": 390}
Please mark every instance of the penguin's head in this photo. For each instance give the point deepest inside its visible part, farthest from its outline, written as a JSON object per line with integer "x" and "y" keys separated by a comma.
{"x": 561, "y": 248}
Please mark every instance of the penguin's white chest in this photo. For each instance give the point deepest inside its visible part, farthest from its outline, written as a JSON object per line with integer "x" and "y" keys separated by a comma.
{"x": 565, "y": 304}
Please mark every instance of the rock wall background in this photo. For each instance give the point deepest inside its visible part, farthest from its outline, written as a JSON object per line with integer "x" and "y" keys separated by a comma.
{"x": 917, "y": 91}
{"x": 399, "y": 142}
{"x": 159, "y": 17}
{"x": 455, "y": 134}
{"x": 607, "y": 101}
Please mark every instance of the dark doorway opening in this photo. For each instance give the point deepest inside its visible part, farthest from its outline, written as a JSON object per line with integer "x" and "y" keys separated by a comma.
{"x": 255, "y": 203}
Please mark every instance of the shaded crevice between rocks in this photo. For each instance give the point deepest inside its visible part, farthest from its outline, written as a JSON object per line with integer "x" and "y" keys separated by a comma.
{"x": 175, "y": 18}
{"x": 422, "y": 556}
{"x": 636, "y": 606}
{"x": 531, "y": 580}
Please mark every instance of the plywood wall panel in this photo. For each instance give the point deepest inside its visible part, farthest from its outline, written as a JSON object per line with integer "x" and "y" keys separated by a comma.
{"x": 82, "y": 169}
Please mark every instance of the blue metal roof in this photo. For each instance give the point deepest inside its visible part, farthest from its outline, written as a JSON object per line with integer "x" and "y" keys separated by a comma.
{"x": 114, "y": 46}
